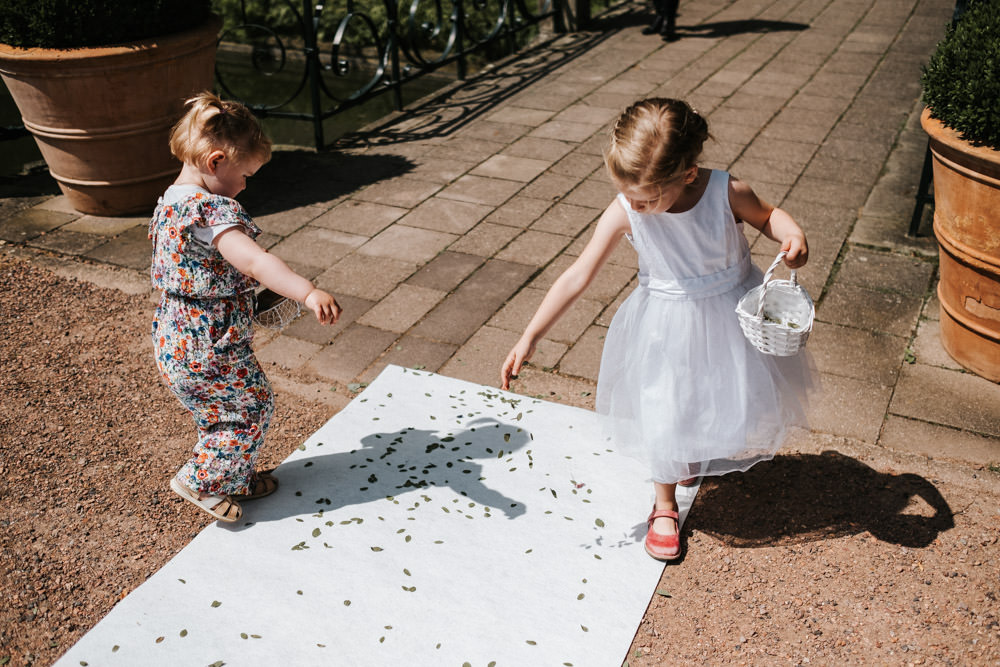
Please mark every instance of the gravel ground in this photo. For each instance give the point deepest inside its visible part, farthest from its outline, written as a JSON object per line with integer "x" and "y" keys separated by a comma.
{"x": 832, "y": 554}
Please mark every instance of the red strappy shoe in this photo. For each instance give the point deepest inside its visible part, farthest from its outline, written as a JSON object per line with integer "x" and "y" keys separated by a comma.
{"x": 663, "y": 547}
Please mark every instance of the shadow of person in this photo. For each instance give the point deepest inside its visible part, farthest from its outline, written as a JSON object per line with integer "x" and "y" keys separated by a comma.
{"x": 809, "y": 497}
{"x": 294, "y": 178}
{"x": 390, "y": 465}
{"x": 729, "y": 28}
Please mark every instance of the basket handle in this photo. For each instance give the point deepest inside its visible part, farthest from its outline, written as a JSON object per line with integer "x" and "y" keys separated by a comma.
{"x": 767, "y": 278}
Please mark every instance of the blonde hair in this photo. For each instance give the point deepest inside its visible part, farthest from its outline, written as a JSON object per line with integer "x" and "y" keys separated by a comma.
{"x": 655, "y": 140}
{"x": 211, "y": 124}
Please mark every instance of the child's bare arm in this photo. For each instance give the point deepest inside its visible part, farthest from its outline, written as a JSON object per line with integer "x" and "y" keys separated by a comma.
{"x": 567, "y": 288}
{"x": 773, "y": 222}
{"x": 271, "y": 271}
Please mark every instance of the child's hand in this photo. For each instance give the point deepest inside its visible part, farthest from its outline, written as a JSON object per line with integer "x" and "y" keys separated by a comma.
{"x": 324, "y": 305}
{"x": 512, "y": 366}
{"x": 798, "y": 251}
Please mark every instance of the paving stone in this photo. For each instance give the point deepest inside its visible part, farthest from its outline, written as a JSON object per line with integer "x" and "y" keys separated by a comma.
{"x": 578, "y": 165}
{"x": 887, "y": 312}
{"x": 465, "y": 149}
{"x": 485, "y": 239}
{"x": 92, "y": 224}
{"x": 778, "y": 149}
{"x": 503, "y": 133}
{"x": 68, "y": 242}
{"x": 29, "y": 223}
{"x": 359, "y": 217}
{"x": 593, "y": 192}
{"x": 608, "y": 314}
{"x": 456, "y": 318}
{"x": 511, "y": 168}
{"x": 446, "y": 215}
{"x": 606, "y": 286}
{"x": 927, "y": 346}
{"x": 584, "y": 358}
{"x": 849, "y": 407}
{"x": 535, "y": 98}
{"x": 565, "y": 131}
{"x": 402, "y": 191}
{"x": 886, "y": 271}
{"x": 59, "y": 203}
{"x": 316, "y": 246}
{"x": 534, "y": 248}
{"x": 412, "y": 352}
{"x": 551, "y": 187}
{"x": 538, "y": 148}
{"x": 939, "y": 442}
{"x": 566, "y": 219}
{"x": 439, "y": 170}
{"x": 480, "y": 190}
{"x": 589, "y": 114}
{"x": 446, "y": 271}
{"x": 365, "y": 276}
{"x": 351, "y": 353}
{"x": 131, "y": 248}
{"x": 401, "y": 308}
{"x": 872, "y": 357}
{"x": 287, "y": 352}
{"x": 285, "y": 222}
{"x": 953, "y": 398}
{"x": 306, "y": 327}
{"x": 407, "y": 244}
{"x": 481, "y": 358}
{"x": 520, "y": 116}
{"x": 518, "y": 312}
{"x": 520, "y": 211}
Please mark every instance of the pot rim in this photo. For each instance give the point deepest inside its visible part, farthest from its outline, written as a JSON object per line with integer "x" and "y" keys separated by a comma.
{"x": 938, "y": 131}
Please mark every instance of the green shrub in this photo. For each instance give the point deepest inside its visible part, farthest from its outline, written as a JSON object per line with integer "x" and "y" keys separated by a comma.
{"x": 75, "y": 23}
{"x": 962, "y": 79}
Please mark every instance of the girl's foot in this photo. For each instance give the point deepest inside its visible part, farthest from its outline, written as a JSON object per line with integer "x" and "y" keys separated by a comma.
{"x": 663, "y": 541}
{"x": 654, "y": 27}
{"x": 222, "y": 508}
{"x": 690, "y": 481}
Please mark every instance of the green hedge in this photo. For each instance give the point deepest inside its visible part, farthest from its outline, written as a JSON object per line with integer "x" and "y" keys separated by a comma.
{"x": 962, "y": 79}
{"x": 76, "y": 23}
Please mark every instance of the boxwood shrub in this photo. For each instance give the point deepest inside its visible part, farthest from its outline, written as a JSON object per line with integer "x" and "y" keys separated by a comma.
{"x": 77, "y": 23}
{"x": 961, "y": 81}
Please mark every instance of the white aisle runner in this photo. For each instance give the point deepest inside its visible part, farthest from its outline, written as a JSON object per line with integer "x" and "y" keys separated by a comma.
{"x": 431, "y": 522}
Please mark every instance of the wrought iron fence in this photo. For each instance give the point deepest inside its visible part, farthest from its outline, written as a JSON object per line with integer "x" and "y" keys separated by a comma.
{"x": 321, "y": 59}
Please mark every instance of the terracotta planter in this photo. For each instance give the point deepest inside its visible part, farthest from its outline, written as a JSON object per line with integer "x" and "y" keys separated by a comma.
{"x": 967, "y": 227}
{"x": 102, "y": 116}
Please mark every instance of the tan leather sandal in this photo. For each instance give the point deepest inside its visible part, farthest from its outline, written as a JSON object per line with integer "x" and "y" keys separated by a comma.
{"x": 222, "y": 508}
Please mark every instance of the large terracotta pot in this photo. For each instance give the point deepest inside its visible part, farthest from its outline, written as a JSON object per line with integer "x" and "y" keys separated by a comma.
{"x": 967, "y": 227}
{"x": 102, "y": 116}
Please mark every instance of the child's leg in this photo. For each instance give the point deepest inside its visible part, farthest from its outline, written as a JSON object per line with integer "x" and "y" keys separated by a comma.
{"x": 232, "y": 422}
{"x": 666, "y": 499}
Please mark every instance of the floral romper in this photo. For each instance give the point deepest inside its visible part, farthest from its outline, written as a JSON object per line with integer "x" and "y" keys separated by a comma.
{"x": 202, "y": 333}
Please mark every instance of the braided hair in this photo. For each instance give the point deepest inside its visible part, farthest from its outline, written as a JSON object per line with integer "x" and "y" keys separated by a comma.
{"x": 655, "y": 140}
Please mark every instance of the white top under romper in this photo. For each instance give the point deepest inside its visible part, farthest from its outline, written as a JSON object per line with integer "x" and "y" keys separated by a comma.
{"x": 680, "y": 385}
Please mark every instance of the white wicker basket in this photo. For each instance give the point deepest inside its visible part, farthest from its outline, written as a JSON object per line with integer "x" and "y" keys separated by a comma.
{"x": 273, "y": 311}
{"x": 777, "y": 316}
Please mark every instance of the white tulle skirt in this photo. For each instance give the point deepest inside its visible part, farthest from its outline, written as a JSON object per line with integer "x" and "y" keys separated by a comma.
{"x": 682, "y": 388}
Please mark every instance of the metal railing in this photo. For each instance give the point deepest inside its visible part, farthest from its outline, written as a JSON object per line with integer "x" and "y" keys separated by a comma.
{"x": 371, "y": 49}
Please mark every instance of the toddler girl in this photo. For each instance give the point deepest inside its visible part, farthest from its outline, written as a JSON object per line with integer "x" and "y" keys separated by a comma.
{"x": 679, "y": 383}
{"x": 207, "y": 264}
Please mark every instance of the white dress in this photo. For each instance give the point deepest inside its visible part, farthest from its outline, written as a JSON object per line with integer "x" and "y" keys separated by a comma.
{"x": 680, "y": 385}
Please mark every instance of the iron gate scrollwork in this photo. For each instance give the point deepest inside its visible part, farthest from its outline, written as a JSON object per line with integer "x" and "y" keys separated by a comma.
{"x": 372, "y": 48}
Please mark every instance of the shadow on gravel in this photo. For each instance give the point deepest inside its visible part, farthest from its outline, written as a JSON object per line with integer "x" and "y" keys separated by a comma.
{"x": 809, "y": 497}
